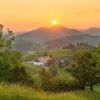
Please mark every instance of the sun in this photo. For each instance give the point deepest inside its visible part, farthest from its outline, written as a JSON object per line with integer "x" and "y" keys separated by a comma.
{"x": 54, "y": 22}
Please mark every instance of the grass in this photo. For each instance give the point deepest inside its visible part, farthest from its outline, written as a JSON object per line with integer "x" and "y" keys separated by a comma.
{"x": 18, "y": 92}
{"x": 32, "y": 69}
{"x": 63, "y": 74}
{"x": 54, "y": 53}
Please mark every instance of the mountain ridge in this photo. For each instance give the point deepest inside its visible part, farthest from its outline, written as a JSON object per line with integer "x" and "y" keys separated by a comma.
{"x": 58, "y": 35}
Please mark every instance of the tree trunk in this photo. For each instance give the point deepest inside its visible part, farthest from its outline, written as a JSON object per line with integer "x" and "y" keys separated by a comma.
{"x": 91, "y": 88}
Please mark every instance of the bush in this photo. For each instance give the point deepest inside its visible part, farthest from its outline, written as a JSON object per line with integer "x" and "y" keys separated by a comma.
{"x": 29, "y": 82}
{"x": 60, "y": 64}
{"x": 66, "y": 62}
{"x": 62, "y": 85}
{"x": 53, "y": 71}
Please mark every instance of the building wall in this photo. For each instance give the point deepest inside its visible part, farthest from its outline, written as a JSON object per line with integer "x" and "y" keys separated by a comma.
{"x": 38, "y": 63}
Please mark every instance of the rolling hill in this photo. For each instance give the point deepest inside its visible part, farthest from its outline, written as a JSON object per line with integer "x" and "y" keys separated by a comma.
{"x": 59, "y": 43}
{"x": 93, "y": 31}
{"x": 55, "y": 37}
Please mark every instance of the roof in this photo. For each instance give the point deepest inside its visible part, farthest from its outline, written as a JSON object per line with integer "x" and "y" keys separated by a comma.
{"x": 43, "y": 59}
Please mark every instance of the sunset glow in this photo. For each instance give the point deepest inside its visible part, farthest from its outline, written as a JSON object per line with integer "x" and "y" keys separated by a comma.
{"x": 54, "y": 22}
{"x": 24, "y": 15}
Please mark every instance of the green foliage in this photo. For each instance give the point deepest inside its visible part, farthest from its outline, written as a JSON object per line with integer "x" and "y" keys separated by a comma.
{"x": 60, "y": 64}
{"x": 53, "y": 71}
{"x": 69, "y": 46}
{"x": 54, "y": 84}
{"x": 62, "y": 85}
{"x": 55, "y": 53}
{"x": 58, "y": 84}
{"x": 51, "y": 61}
{"x": 19, "y": 92}
{"x": 11, "y": 67}
{"x": 46, "y": 79}
{"x": 86, "y": 68}
{"x": 84, "y": 45}
{"x": 66, "y": 62}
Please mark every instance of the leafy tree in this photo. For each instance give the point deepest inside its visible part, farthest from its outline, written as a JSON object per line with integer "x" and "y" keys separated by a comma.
{"x": 53, "y": 71}
{"x": 51, "y": 61}
{"x": 11, "y": 67}
{"x": 46, "y": 78}
{"x": 86, "y": 68}
{"x": 69, "y": 46}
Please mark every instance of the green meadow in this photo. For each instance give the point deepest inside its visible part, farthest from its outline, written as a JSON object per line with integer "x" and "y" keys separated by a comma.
{"x": 54, "y": 53}
{"x": 18, "y": 92}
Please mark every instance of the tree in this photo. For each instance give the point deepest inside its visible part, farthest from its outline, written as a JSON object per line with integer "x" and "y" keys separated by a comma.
{"x": 51, "y": 61}
{"x": 69, "y": 46}
{"x": 53, "y": 71}
{"x": 86, "y": 68}
{"x": 46, "y": 78}
{"x": 11, "y": 67}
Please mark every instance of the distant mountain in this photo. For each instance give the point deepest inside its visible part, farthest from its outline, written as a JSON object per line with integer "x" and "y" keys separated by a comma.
{"x": 55, "y": 37}
{"x": 22, "y": 45}
{"x": 45, "y": 34}
{"x": 59, "y": 43}
{"x": 93, "y": 31}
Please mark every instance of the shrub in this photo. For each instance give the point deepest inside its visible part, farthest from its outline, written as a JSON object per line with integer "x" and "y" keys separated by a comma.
{"x": 53, "y": 71}
{"x": 60, "y": 64}
{"x": 62, "y": 85}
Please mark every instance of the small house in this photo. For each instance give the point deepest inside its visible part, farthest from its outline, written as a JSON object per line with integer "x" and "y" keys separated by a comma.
{"x": 41, "y": 60}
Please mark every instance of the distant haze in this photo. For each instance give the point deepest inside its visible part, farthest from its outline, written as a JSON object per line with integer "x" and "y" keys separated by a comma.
{"x": 55, "y": 37}
{"x": 25, "y": 15}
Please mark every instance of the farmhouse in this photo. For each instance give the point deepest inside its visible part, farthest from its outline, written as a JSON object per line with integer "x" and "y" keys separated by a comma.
{"x": 41, "y": 60}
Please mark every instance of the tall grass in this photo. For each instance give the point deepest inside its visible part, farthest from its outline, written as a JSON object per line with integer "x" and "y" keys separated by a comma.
{"x": 18, "y": 92}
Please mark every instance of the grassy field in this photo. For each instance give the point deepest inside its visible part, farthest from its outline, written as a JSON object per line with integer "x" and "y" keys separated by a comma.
{"x": 18, "y": 92}
{"x": 54, "y": 53}
{"x": 33, "y": 70}
{"x": 63, "y": 74}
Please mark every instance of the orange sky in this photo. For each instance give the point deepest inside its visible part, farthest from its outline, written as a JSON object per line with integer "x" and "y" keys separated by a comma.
{"x": 24, "y": 15}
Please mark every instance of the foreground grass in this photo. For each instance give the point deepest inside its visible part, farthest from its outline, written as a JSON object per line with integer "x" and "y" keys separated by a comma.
{"x": 18, "y": 92}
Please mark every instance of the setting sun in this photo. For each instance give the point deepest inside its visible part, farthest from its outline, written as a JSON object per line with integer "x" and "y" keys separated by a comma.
{"x": 54, "y": 22}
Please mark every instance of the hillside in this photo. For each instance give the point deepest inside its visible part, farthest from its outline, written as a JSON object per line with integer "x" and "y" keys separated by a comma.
{"x": 55, "y": 37}
{"x": 45, "y": 34}
{"x": 59, "y": 43}
{"x": 18, "y": 92}
{"x": 56, "y": 53}
{"x": 93, "y": 31}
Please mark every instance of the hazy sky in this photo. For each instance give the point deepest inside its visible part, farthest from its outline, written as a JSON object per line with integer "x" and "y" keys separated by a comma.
{"x": 20, "y": 15}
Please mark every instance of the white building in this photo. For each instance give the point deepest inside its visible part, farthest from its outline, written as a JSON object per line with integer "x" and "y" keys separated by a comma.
{"x": 40, "y": 60}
